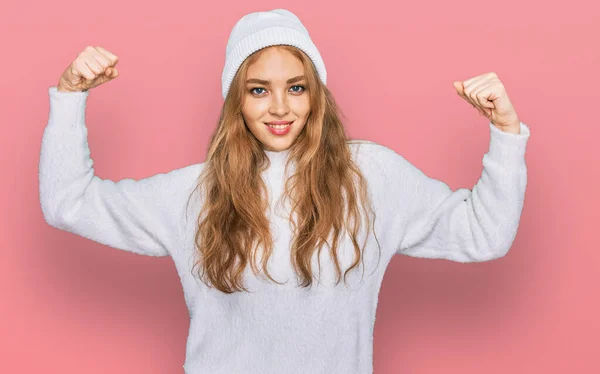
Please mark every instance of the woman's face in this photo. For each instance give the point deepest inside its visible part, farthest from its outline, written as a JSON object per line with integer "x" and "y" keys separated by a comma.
{"x": 275, "y": 91}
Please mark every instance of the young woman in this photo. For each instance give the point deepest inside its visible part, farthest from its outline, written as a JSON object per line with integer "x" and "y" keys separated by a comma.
{"x": 284, "y": 207}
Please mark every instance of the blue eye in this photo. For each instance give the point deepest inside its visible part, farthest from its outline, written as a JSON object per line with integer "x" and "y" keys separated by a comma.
{"x": 299, "y": 90}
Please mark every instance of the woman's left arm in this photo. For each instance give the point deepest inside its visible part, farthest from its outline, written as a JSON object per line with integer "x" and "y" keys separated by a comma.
{"x": 467, "y": 225}
{"x": 479, "y": 224}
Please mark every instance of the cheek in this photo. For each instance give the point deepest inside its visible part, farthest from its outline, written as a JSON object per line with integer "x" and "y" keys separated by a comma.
{"x": 302, "y": 107}
{"x": 253, "y": 111}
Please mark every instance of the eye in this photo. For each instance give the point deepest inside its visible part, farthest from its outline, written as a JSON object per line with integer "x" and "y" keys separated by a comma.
{"x": 256, "y": 88}
{"x": 302, "y": 88}
{"x": 295, "y": 89}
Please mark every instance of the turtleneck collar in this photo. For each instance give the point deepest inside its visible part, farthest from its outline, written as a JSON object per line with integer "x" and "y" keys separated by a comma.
{"x": 278, "y": 160}
{"x": 278, "y": 156}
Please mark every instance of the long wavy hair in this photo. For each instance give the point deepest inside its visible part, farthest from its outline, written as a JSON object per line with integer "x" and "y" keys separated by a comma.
{"x": 325, "y": 189}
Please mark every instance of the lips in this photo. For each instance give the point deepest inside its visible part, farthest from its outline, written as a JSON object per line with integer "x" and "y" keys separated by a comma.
{"x": 279, "y": 123}
{"x": 279, "y": 127}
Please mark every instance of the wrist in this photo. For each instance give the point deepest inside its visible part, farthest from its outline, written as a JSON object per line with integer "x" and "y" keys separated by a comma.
{"x": 515, "y": 129}
{"x": 62, "y": 88}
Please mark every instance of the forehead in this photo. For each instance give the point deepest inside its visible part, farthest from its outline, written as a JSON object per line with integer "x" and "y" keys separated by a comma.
{"x": 275, "y": 63}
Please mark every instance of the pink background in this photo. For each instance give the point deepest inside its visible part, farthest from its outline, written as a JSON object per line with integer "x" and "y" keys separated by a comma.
{"x": 70, "y": 305}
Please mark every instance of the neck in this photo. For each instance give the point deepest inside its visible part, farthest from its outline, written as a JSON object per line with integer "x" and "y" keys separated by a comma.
{"x": 278, "y": 158}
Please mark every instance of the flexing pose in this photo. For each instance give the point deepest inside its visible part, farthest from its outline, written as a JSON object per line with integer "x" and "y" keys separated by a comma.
{"x": 281, "y": 237}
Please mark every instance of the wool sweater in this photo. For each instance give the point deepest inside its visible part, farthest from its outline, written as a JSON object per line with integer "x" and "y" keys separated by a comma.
{"x": 325, "y": 328}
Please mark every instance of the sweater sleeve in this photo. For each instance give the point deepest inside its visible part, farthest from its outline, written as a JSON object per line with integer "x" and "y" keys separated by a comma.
{"x": 139, "y": 216}
{"x": 465, "y": 225}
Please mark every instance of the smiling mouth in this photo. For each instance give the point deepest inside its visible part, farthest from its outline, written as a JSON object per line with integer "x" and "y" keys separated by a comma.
{"x": 279, "y": 126}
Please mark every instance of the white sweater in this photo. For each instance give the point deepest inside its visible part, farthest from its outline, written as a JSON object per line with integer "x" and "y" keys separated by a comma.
{"x": 283, "y": 328}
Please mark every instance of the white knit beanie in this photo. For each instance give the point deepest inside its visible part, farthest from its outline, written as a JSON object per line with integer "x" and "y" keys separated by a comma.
{"x": 258, "y": 30}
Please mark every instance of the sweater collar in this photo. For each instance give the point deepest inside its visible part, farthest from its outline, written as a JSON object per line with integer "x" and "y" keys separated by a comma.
{"x": 278, "y": 157}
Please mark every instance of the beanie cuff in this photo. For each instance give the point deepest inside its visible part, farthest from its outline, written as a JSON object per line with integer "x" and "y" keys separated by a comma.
{"x": 265, "y": 38}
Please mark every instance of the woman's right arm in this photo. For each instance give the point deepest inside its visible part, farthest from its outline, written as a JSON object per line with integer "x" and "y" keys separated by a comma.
{"x": 141, "y": 216}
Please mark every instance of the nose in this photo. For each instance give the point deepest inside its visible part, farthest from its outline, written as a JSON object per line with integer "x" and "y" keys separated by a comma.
{"x": 279, "y": 105}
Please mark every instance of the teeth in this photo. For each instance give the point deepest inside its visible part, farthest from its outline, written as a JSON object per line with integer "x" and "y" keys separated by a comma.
{"x": 279, "y": 127}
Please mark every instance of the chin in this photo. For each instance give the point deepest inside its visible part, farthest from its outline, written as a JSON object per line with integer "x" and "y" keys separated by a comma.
{"x": 277, "y": 147}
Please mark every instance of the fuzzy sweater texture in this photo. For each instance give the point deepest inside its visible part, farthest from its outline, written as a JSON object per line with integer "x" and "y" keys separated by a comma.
{"x": 283, "y": 328}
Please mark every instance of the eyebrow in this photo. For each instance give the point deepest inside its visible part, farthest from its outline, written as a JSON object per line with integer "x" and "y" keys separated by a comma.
{"x": 266, "y": 83}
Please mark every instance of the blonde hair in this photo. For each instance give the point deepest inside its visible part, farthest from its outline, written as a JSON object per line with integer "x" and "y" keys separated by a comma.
{"x": 232, "y": 223}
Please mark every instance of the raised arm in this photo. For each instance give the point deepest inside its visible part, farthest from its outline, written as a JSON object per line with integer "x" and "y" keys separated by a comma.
{"x": 433, "y": 221}
{"x": 141, "y": 216}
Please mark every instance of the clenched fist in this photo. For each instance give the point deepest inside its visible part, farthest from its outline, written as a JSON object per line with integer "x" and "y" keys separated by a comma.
{"x": 487, "y": 94}
{"x": 91, "y": 68}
